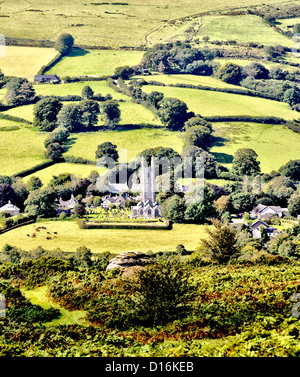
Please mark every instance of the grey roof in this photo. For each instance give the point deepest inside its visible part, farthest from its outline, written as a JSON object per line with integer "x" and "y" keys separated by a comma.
{"x": 45, "y": 77}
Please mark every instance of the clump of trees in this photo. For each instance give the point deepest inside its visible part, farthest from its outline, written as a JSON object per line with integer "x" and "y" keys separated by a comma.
{"x": 64, "y": 43}
{"x": 19, "y": 92}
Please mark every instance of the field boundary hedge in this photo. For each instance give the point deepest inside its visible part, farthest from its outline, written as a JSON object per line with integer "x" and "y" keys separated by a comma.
{"x": 14, "y": 118}
{"x": 51, "y": 64}
{"x": 242, "y": 118}
{"x": 36, "y": 168}
{"x": 28, "y": 222}
{"x": 84, "y": 225}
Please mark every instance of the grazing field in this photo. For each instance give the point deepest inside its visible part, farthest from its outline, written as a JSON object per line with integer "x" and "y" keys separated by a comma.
{"x": 25, "y": 112}
{"x": 287, "y": 23}
{"x": 189, "y": 80}
{"x": 79, "y": 170}
{"x": 134, "y": 141}
{"x": 274, "y": 144}
{"x": 100, "y": 23}
{"x": 243, "y": 28}
{"x": 20, "y": 149}
{"x": 70, "y": 237}
{"x": 24, "y": 61}
{"x": 94, "y": 62}
{"x": 208, "y": 103}
{"x": 75, "y": 88}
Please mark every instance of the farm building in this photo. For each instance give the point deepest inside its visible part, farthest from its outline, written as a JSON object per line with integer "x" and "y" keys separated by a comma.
{"x": 10, "y": 208}
{"x": 46, "y": 78}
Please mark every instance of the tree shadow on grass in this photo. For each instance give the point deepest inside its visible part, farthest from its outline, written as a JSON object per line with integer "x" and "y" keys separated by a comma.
{"x": 68, "y": 144}
{"x": 77, "y": 51}
{"x": 223, "y": 158}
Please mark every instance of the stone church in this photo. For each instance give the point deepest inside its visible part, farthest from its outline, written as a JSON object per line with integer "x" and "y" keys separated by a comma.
{"x": 147, "y": 207}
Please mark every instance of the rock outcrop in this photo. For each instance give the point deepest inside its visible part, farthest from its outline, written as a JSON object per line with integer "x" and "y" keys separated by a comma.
{"x": 129, "y": 259}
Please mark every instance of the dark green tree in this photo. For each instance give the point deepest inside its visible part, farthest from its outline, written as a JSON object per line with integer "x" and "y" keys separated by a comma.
{"x": 82, "y": 257}
{"x": 111, "y": 114}
{"x": 173, "y": 208}
{"x": 89, "y": 111}
{"x": 154, "y": 99}
{"x": 294, "y": 204}
{"x": 45, "y": 113}
{"x": 230, "y": 73}
{"x": 291, "y": 170}
{"x": 124, "y": 72}
{"x": 34, "y": 183}
{"x": 42, "y": 202}
{"x": 107, "y": 149}
{"x": 202, "y": 210}
{"x": 245, "y": 162}
{"x": 64, "y": 43}
{"x": 87, "y": 92}
{"x": 69, "y": 117}
{"x": 173, "y": 113}
{"x": 54, "y": 151}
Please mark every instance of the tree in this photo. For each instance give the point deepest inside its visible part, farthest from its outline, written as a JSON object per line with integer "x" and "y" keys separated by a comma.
{"x": 198, "y": 136}
{"x": 154, "y": 99}
{"x": 69, "y": 117}
{"x": 124, "y": 72}
{"x": 54, "y": 151}
{"x": 42, "y": 202}
{"x": 64, "y": 43}
{"x": 34, "y": 183}
{"x": 221, "y": 245}
{"x": 82, "y": 257}
{"x": 223, "y": 204}
{"x": 59, "y": 135}
{"x": 292, "y": 96}
{"x": 87, "y": 92}
{"x": 294, "y": 204}
{"x": 45, "y": 113}
{"x": 89, "y": 111}
{"x": 256, "y": 70}
{"x": 199, "y": 158}
{"x": 230, "y": 73}
{"x": 245, "y": 162}
{"x": 111, "y": 114}
{"x": 60, "y": 179}
{"x": 107, "y": 149}
{"x": 200, "y": 211}
{"x": 19, "y": 92}
{"x": 281, "y": 188}
{"x": 162, "y": 293}
{"x": 79, "y": 210}
{"x": 7, "y": 194}
{"x": 173, "y": 113}
{"x": 291, "y": 170}
{"x": 174, "y": 208}
{"x": 242, "y": 202}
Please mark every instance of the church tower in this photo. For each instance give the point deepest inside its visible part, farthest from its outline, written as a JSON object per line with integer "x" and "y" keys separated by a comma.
{"x": 147, "y": 180}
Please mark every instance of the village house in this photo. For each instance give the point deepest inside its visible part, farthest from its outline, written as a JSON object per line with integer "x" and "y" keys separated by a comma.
{"x": 10, "y": 208}
{"x": 256, "y": 229}
{"x": 66, "y": 206}
{"x": 264, "y": 212}
{"x": 46, "y": 78}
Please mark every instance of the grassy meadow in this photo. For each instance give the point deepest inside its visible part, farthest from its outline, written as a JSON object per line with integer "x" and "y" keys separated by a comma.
{"x": 20, "y": 149}
{"x": 24, "y": 61}
{"x": 94, "y": 62}
{"x": 274, "y": 144}
{"x": 242, "y": 28}
{"x": 208, "y": 103}
{"x": 103, "y": 24}
{"x": 70, "y": 237}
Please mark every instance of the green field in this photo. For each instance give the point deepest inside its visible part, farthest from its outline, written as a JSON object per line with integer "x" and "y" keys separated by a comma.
{"x": 274, "y": 144}
{"x": 208, "y": 103}
{"x": 25, "y": 61}
{"x": 70, "y": 237}
{"x": 20, "y": 149}
{"x": 190, "y": 80}
{"x": 104, "y": 24}
{"x": 288, "y": 23}
{"x": 243, "y": 28}
{"x": 94, "y": 62}
{"x": 78, "y": 170}
{"x": 38, "y": 296}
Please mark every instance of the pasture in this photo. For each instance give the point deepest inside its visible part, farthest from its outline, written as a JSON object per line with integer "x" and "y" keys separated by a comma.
{"x": 78, "y": 170}
{"x": 242, "y": 28}
{"x": 24, "y": 61}
{"x": 70, "y": 237}
{"x": 208, "y": 103}
{"x": 20, "y": 149}
{"x": 134, "y": 141}
{"x": 94, "y": 62}
{"x": 103, "y": 24}
{"x": 274, "y": 144}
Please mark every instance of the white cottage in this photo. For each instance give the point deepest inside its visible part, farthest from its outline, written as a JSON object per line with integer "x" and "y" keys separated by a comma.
{"x": 10, "y": 208}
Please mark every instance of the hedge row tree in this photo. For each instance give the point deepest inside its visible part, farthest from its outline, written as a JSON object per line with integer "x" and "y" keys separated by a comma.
{"x": 111, "y": 114}
{"x": 19, "y": 92}
{"x": 54, "y": 151}
{"x": 245, "y": 162}
{"x": 64, "y": 43}
{"x": 42, "y": 202}
{"x": 34, "y": 183}
{"x": 195, "y": 154}
{"x": 87, "y": 92}
{"x": 45, "y": 113}
{"x": 173, "y": 113}
{"x": 107, "y": 149}
{"x": 230, "y": 73}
